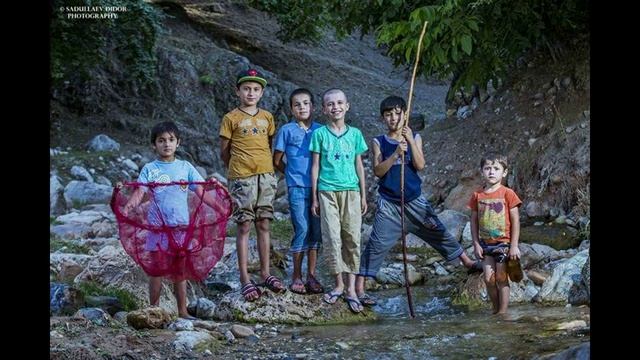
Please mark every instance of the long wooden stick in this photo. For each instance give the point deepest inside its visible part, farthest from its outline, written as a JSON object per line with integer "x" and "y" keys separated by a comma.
{"x": 406, "y": 123}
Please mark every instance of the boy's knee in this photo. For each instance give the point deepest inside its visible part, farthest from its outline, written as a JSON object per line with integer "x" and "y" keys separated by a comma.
{"x": 490, "y": 278}
{"x": 244, "y": 227}
{"x": 502, "y": 279}
{"x": 262, "y": 225}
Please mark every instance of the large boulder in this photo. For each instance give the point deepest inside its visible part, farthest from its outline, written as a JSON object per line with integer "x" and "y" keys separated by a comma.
{"x": 565, "y": 284}
{"x": 287, "y": 308}
{"x": 454, "y": 221}
{"x": 84, "y": 192}
{"x": 459, "y": 196}
{"x": 558, "y": 236}
{"x": 103, "y": 143}
{"x": 112, "y": 266}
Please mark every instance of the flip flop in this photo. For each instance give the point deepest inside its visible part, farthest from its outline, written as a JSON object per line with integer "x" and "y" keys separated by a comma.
{"x": 331, "y": 297}
{"x": 189, "y": 317}
{"x": 354, "y": 305}
{"x": 366, "y": 300}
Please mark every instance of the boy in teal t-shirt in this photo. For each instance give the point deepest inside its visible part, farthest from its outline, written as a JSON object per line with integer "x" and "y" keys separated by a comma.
{"x": 339, "y": 193}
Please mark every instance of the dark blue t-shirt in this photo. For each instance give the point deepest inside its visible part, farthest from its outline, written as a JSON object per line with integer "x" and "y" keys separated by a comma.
{"x": 389, "y": 184}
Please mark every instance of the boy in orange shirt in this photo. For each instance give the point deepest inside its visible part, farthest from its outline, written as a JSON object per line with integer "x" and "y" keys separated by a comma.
{"x": 495, "y": 229}
{"x": 245, "y": 148}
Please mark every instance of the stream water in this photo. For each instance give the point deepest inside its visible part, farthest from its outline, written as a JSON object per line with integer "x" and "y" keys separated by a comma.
{"x": 440, "y": 330}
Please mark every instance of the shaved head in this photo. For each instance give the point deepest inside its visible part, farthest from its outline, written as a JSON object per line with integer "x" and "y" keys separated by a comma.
{"x": 334, "y": 91}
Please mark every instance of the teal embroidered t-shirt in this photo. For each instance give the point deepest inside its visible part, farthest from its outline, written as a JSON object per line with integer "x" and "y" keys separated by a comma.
{"x": 337, "y": 158}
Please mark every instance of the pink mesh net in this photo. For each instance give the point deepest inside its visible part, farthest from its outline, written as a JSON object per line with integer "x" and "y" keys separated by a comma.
{"x": 167, "y": 237}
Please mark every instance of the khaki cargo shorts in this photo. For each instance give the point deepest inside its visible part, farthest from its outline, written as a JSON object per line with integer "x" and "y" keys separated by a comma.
{"x": 253, "y": 197}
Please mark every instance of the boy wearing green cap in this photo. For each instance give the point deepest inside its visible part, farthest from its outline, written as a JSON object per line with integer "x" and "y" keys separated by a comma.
{"x": 245, "y": 148}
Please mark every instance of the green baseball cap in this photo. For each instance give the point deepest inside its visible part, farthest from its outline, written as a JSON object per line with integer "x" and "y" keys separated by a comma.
{"x": 251, "y": 75}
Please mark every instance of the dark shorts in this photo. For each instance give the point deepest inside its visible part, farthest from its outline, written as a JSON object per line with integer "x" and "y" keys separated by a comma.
{"x": 499, "y": 251}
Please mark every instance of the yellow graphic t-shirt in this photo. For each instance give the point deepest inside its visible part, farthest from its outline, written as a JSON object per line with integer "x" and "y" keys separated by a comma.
{"x": 494, "y": 221}
{"x": 249, "y": 135}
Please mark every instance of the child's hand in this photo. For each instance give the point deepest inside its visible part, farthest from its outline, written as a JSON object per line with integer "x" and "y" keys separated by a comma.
{"x": 477, "y": 250}
{"x": 514, "y": 253}
{"x": 315, "y": 208}
{"x": 128, "y": 207}
{"x": 408, "y": 134}
{"x": 363, "y": 205}
{"x": 119, "y": 184}
{"x": 402, "y": 147}
{"x": 213, "y": 179}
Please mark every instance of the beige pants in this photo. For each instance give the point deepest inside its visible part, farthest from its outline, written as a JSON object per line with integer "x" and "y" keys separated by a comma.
{"x": 340, "y": 221}
{"x": 253, "y": 197}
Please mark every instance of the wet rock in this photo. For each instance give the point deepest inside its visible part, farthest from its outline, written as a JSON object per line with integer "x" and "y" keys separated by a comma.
{"x": 394, "y": 275}
{"x": 571, "y": 325}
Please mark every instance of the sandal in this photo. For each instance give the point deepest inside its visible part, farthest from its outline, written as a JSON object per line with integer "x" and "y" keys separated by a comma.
{"x": 354, "y": 305}
{"x": 248, "y": 289}
{"x": 514, "y": 270}
{"x": 313, "y": 286}
{"x": 331, "y": 297}
{"x": 274, "y": 284}
{"x": 298, "y": 287}
{"x": 366, "y": 300}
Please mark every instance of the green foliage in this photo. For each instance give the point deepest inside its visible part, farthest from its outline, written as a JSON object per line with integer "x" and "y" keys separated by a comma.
{"x": 128, "y": 300}
{"x": 281, "y": 231}
{"x": 206, "y": 79}
{"x": 56, "y": 244}
{"x": 125, "y": 43}
{"x": 467, "y": 41}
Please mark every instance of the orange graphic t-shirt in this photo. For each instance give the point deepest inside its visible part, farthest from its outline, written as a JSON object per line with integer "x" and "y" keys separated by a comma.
{"x": 494, "y": 221}
{"x": 249, "y": 135}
